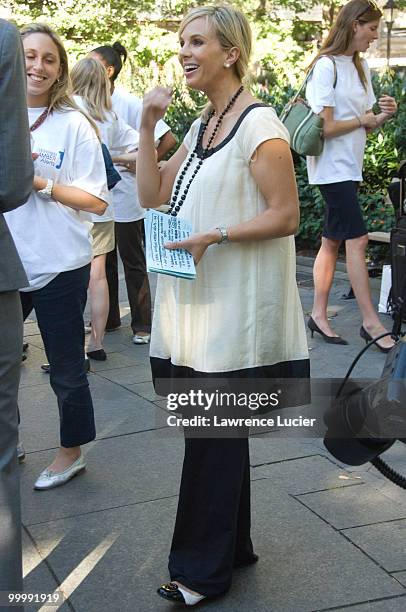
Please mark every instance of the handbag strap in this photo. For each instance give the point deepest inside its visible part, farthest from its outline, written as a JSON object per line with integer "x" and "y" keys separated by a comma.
{"x": 309, "y": 74}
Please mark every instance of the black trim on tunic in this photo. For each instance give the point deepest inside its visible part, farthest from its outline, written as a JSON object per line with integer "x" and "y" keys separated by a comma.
{"x": 164, "y": 368}
{"x": 169, "y": 378}
{"x": 230, "y": 135}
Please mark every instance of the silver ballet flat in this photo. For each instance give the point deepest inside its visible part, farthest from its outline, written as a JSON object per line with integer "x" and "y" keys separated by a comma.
{"x": 48, "y": 479}
{"x": 137, "y": 339}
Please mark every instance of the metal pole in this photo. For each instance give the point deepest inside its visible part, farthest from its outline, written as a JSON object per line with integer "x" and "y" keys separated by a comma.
{"x": 388, "y": 41}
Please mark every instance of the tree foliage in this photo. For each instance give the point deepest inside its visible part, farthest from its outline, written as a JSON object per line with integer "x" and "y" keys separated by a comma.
{"x": 284, "y": 40}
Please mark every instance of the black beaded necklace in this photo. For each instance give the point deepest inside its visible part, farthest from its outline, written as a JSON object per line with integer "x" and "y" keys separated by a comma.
{"x": 176, "y": 203}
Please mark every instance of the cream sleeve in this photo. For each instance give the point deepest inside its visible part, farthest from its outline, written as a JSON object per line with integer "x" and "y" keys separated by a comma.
{"x": 259, "y": 125}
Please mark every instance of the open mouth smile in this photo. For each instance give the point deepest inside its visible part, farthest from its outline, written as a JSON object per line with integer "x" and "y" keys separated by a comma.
{"x": 36, "y": 78}
{"x": 190, "y": 68}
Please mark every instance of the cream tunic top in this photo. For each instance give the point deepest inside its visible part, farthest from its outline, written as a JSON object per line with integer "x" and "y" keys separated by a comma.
{"x": 243, "y": 309}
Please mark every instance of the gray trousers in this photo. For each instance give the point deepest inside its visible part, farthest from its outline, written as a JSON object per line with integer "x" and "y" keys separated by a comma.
{"x": 11, "y": 342}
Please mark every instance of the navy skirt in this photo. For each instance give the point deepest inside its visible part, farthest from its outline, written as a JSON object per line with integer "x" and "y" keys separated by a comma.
{"x": 343, "y": 218}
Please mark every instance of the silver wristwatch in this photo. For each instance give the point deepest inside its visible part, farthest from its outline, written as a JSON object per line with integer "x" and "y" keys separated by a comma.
{"x": 47, "y": 191}
{"x": 224, "y": 234}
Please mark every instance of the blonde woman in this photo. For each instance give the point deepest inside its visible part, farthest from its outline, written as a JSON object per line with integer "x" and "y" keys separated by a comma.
{"x": 347, "y": 112}
{"x": 233, "y": 180}
{"x": 91, "y": 89}
{"x": 51, "y": 235}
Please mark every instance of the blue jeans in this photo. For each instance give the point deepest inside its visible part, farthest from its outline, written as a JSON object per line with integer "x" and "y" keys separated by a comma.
{"x": 59, "y": 308}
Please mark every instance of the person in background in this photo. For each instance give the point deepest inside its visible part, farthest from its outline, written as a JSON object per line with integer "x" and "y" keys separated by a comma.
{"x": 51, "y": 233}
{"x": 232, "y": 180}
{"x": 347, "y": 112}
{"x": 91, "y": 89}
{"x": 129, "y": 216}
{"x": 16, "y": 176}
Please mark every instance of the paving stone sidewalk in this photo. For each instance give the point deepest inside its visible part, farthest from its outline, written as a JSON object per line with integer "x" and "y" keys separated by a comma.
{"x": 329, "y": 536}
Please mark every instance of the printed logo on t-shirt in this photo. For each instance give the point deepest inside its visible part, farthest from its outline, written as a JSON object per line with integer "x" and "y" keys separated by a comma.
{"x": 51, "y": 158}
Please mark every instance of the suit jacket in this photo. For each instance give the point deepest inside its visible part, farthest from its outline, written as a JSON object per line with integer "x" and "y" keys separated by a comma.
{"x": 16, "y": 166}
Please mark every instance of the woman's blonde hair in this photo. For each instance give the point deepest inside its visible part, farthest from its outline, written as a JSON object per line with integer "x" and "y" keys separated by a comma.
{"x": 91, "y": 83}
{"x": 341, "y": 34}
{"x": 232, "y": 30}
{"x": 59, "y": 94}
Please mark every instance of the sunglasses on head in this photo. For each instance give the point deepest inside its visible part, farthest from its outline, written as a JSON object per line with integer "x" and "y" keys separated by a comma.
{"x": 371, "y": 6}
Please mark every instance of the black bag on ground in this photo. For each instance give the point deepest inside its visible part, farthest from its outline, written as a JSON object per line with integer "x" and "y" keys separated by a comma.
{"x": 397, "y": 194}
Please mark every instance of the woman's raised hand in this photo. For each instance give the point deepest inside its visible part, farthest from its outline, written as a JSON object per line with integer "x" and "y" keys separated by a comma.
{"x": 155, "y": 105}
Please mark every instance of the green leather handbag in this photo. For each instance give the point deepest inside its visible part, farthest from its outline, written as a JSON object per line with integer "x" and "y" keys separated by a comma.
{"x": 304, "y": 126}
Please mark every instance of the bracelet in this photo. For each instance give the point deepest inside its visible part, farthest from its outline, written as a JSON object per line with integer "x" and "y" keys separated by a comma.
{"x": 224, "y": 235}
{"x": 359, "y": 121}
{"x": 46, "y": 192}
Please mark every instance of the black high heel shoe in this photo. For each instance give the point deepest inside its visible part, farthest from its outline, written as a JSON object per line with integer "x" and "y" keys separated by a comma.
{"x": 312, "y": 325}
{"x": 367, "y": 337}
{"x": 172, "y": 592}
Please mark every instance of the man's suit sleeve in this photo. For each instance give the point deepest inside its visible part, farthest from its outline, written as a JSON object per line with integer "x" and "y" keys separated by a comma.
{"x": 16, "y": 167}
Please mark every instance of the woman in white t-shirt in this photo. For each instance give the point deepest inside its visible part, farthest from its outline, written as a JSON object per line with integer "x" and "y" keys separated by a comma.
{"x": 51, "y": 233}
{"x": 340, "y": 91}
{"x": 91, "y": 89}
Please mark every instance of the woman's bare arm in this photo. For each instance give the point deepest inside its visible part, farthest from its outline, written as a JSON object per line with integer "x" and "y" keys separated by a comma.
{"x": 334, "y": 127}
{"x": 75, "y": 198}
{"x": 125, "y": 158}
{"x": 155, "y": 184}
{"x": 274, "y": 174}
{"x": 368, "y": 120}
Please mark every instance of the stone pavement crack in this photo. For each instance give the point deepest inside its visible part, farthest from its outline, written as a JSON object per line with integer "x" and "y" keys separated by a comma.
{"x": 359, "y": 603}
{"x": 340, "y": 531}
{"x": 98, "y": 511}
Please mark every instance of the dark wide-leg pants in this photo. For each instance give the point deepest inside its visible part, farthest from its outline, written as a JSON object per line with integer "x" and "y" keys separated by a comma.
{"x": 212, "y": 530}
{"x": 59, "y": 307}
{"x": 129, "y": 242}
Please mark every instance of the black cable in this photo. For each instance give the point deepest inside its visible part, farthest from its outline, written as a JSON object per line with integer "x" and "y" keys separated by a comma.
{"x": 357, "y": 358}
{"x": 377, "y": 462}
{"x": 389, "y": 472}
